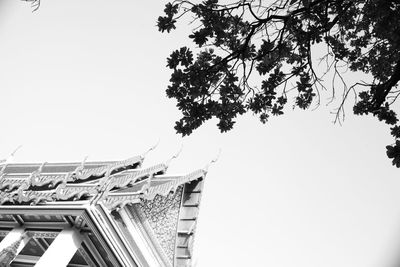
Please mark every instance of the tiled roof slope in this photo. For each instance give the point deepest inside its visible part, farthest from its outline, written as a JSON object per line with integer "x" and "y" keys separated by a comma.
{"x": 163, "y": 201}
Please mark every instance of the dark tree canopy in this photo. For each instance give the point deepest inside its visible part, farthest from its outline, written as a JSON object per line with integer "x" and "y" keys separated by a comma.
{"x": 258, "y": 56}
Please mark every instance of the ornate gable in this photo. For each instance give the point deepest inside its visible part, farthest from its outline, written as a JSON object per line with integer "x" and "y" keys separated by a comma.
{"x": 121, "y": 214}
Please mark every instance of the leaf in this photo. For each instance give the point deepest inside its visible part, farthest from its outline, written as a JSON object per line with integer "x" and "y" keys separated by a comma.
{"x": 233, "y": 49}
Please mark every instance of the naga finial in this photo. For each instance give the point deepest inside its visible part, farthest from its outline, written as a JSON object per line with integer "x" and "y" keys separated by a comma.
{"x": 78, "y": 170}
{"x": 15, "y": 150}
{"x": 9, "y": 158}
{"x": 146, "y": 187}
{"x": 82, "y": 165}
{"x": 4, "y": 162}
{"x": 148, "y": 150}
{"x": 212, "y": 161}
{"x": 35, "y": 175}
{"x": 40, "y": 169}
{"x": 174, "y": 156}
{"x": 152, "y": 148}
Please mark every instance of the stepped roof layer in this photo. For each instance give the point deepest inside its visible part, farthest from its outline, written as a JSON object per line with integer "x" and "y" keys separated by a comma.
{"x": 129, "y": 198}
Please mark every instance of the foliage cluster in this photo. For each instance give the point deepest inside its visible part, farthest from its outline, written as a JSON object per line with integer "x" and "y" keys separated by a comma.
{"x": 275, "y": 41}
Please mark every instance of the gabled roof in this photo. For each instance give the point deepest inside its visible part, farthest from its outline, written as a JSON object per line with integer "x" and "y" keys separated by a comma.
{"x": 163, "y": 206}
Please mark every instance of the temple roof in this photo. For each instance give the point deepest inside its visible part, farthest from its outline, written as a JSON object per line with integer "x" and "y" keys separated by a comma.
{"x": 164, "y": 205}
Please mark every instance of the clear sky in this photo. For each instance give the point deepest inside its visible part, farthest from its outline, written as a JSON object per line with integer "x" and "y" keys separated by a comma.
{"x": 88, "y": 77}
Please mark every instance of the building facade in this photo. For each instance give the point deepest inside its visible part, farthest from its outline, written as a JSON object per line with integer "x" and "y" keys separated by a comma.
{"x": 114, "y": 213}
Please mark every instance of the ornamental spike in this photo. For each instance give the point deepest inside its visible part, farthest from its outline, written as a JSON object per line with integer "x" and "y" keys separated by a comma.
{"x": 9, "y": 158}
{"x": 15, "y": 150}
{"x": 151, "y": 148}
{"x": 212, "y": 161}
{"x": 174, "y": 156}
{"x": 146, "y": 187}
{"x": 84, "y": 161}
{"x": 78, "y": 170}
{"x": 4, "y": 162}
{"x": 40, "y": 169}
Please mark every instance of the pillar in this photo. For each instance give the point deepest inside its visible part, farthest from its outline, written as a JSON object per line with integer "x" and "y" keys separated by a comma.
{"x": 63, "y": 248}
{"x": 12, "y": 245}
{"x": 13, "y": 236}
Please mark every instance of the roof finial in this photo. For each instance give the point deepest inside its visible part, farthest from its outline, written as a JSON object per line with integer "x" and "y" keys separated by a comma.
{"x": 4, "y": 162}
{"x": 146, "y": 187}
{"x": 40, "y": 169}
{"x": 78, "y": 170}
{"x": 35, "y": 175}
{"x": 84, "y": 161}
{"x": 174, "y": 156}
{"x": 151, "y": 148}
{"x": 7, "y": 160}
{"x": 212, "y": 161}
{"x": 15, "y": 150}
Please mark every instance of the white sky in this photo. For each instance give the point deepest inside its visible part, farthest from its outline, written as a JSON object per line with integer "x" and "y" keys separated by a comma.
{"x": 88, "y": 78}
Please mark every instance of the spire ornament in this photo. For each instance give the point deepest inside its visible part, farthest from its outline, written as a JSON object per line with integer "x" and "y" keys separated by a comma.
{"x": 4, "y": 162}
{"x": 150, "y": 149}
{"x": 176, "y": 155}
{"x": 79, "y": 170}
{"x": 212, "y": 161}
{"x": 35, "y": 175}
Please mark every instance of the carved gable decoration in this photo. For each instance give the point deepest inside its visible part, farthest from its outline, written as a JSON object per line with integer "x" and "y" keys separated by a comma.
{"x": 162, "y": 215}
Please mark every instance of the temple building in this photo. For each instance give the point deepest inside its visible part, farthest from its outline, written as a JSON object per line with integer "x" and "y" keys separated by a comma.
{"x": 111, "y": 213}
